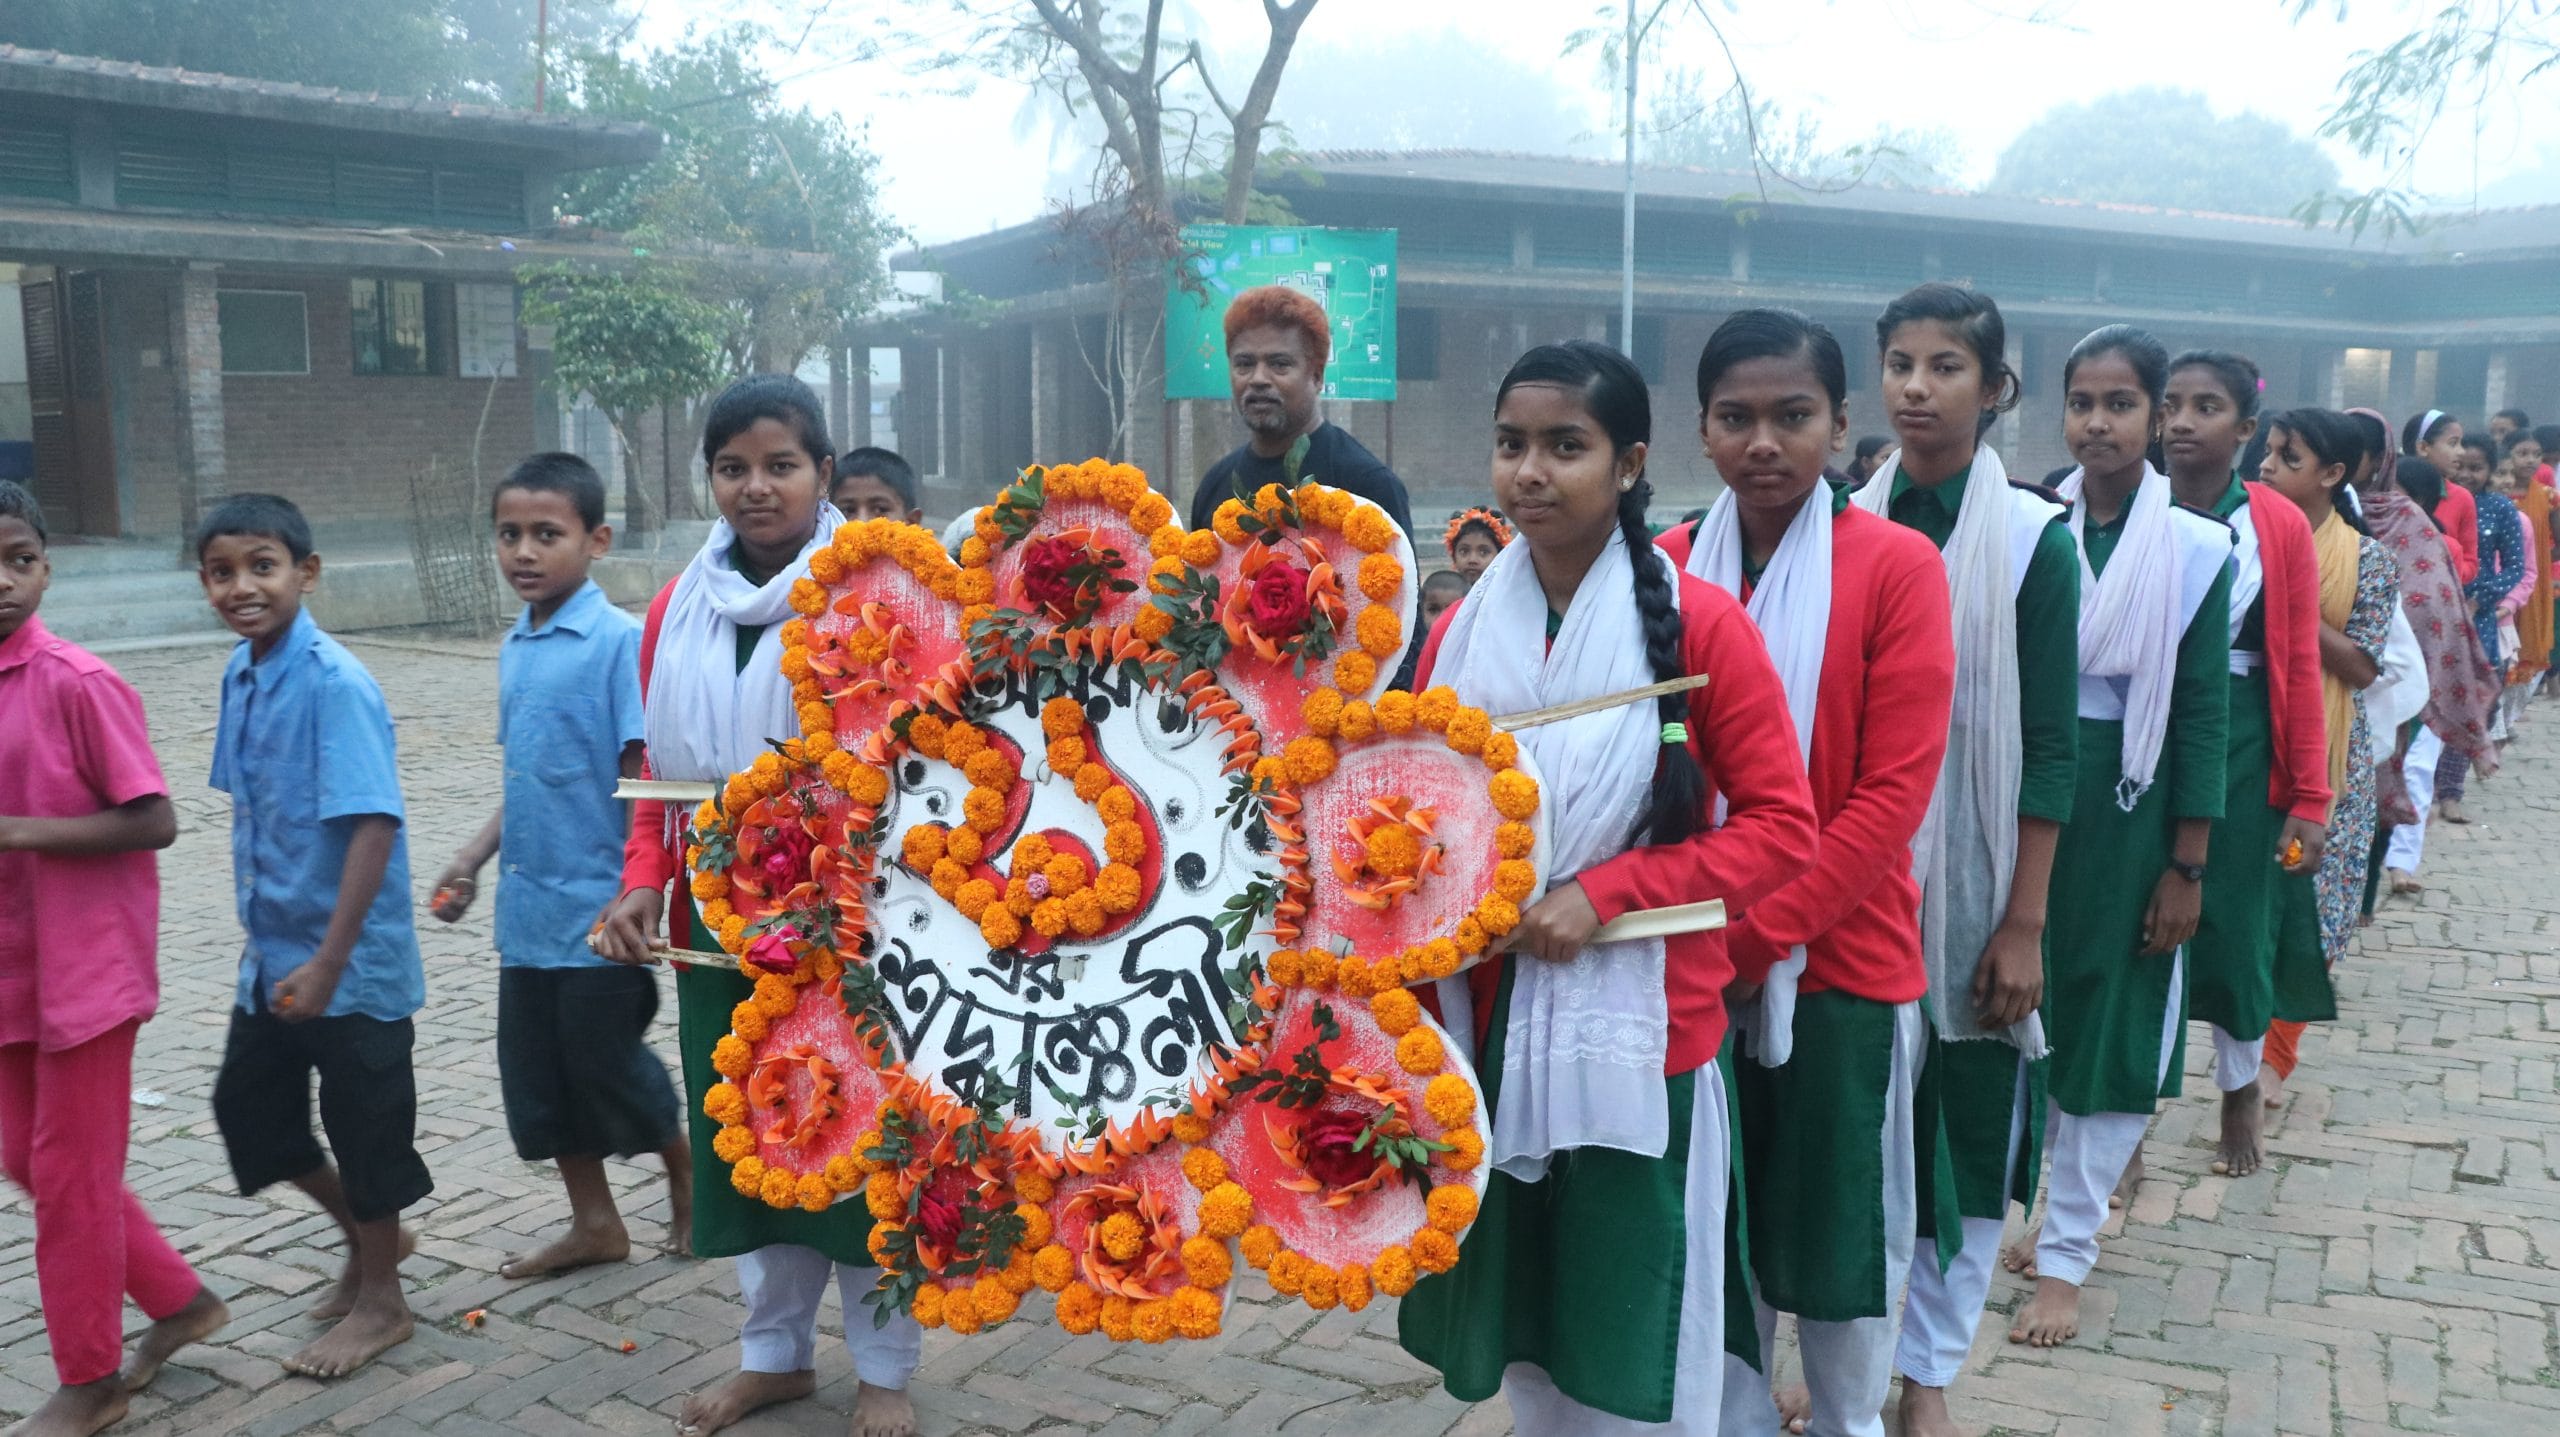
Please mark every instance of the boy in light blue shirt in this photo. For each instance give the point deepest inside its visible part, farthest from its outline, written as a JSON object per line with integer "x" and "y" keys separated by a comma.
{"x": 330, "y": 975}
{"x": 574, "y": 1065}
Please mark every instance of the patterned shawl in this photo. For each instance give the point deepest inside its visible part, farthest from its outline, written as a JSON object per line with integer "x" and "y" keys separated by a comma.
{"x": 2461, "y": 686}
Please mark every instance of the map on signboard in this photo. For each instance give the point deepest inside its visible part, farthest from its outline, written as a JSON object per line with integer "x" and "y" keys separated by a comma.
{"x": 1352, "y": 273}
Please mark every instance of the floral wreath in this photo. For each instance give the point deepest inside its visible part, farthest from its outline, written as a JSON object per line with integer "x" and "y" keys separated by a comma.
{"x": 1334, "y": 1143}
{"x": 1458, "y": 522}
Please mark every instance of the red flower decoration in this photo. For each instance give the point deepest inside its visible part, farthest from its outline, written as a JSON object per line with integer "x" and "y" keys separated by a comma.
{"x": 1327, "y": 1142}
{"x": 938, "y": 1211}
{"x": 1277, "y": 608}
{"x": 1048, "y": 577}
{"x": 772, "y": 952}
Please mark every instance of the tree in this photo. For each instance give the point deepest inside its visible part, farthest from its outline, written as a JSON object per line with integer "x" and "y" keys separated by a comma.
{"x": 447, "y": 49}
{"x": 1443, "y": 91}
{"x": 633, "y": 340}
{"x": 2464, "y": 56}
{"x": 2156, "y": 146}
{"x": 1685, "y": 127}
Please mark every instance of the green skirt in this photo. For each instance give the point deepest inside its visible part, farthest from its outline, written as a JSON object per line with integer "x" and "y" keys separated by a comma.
{"x": 2302, "y": 990}
{"x": 724, "y": 1223}
{"x": 1962, "y": 1105}
{"x": 2105, "y": 1001}
{"x": 2244, "y": 938}
{"x": 1579, "y": 1274}
{"x": 1812, "y": 1145}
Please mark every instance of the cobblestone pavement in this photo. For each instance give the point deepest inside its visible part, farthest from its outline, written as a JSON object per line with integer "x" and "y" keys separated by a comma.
{"x": 2391, "y": 1269}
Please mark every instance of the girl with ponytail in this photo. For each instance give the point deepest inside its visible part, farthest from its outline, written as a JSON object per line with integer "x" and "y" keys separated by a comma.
{"x": 1598, "y": 1059}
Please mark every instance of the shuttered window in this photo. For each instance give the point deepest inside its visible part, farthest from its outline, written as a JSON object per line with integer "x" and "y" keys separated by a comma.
{"x": 35, "y": 160}
{"x": 157, "y": 170}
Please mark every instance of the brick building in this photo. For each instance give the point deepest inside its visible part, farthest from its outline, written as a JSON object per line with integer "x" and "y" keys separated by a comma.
{"x": 1498, "y": 252}
{"x": 226, "y": 284}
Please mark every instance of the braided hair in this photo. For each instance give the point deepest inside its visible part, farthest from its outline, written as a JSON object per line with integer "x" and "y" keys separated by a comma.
{"x": 1614, "y": 392}
{"x": 2332, "y": 438}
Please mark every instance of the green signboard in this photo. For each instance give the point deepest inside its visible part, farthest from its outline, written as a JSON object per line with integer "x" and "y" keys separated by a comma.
{"x": 1352, "y": 273}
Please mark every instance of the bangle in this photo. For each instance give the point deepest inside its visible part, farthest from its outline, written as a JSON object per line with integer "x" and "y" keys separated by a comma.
{"x": 1675, "y": 733}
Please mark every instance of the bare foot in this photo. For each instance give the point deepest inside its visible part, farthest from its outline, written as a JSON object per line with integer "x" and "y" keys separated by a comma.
{"x": 883, "y": 1412}
{"x": 2020, "y": 1256}
{"x": 341, "y": 1298}
{"x": 2271, "y": 1087}
{"x": 2244, "y": 1119}
{"x": 2051, "y": 1317}
{"x": 2453, "y": 811}
{"x": 1924, "y": 1411}
{"x": 201, "y": 1318}
{"x": 76, "y": 1411}
{"x": 1795, "y": 1407}
{"x": 680, "y": 1217}
{"x": 574, "y": 1249}
{"x": 2125, "y": 1185}
{"x": 2404, "y": 881}
{"x": 375, "y": 1327}
{"x": 706, "y": 1412}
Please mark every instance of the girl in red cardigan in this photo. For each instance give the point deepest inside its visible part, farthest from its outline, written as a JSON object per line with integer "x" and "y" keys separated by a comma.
{"x": 1591, "y": 1288}
{"x": 2260, "y": 929}
{"x": 1855, "y": 612}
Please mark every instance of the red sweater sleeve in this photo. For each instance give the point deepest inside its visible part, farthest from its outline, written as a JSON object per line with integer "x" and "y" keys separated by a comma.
{"x": 2299, "y": 784}
{"x": 1768, "y": 834}
{"x": 2459, "y": 516}
{"x": 1880, "y": 734}
{"x": 647, "y": 861}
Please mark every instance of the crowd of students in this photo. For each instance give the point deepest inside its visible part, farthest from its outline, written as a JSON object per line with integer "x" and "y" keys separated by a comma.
{"x": 2002, "y": 785}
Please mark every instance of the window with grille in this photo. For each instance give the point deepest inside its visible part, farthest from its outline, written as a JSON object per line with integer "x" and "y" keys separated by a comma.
{"x": 396, "y": 326}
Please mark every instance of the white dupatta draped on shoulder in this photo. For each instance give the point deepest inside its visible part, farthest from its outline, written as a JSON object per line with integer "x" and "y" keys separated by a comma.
{"x": 707, "y": 718}
{"x": 1584, "y": 1048}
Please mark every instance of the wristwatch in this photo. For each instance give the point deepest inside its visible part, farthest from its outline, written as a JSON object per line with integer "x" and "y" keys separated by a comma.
{"x": 2192, "y": 872}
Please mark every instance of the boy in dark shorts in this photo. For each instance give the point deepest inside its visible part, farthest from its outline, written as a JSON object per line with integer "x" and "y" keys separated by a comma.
{"x": 574, "y": 1064}
{"x": 330, "y": 975}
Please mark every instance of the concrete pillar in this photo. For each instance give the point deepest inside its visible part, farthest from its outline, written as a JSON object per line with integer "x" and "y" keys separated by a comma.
{"x": 195, "y": 353}
{"x": 1738, "y": 259}
{"x": 2500, "y": 383}
{"x": 839, "y": 404}
{"x": 2400, "y": 383}
{"x": 858, "y": 398}
{"x": 2013, "y": 425}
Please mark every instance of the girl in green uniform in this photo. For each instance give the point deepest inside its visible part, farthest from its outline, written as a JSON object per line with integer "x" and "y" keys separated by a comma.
{"x": 1985, "y": 849}
{"x": 713, "y": 696}
{"x": 2260, "y": 927}
{"x": 2155, "y": 703}
{"x": 1590, "y": 1290}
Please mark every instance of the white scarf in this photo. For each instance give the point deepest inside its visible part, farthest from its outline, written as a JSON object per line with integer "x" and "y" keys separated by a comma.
{"x": 1792, "y": 607}
{"x": 1583, "y": 1051}
{"x": 707, "y": 718}
{"x": 2131, "y": 621}
{"x": 1966, "y": 852}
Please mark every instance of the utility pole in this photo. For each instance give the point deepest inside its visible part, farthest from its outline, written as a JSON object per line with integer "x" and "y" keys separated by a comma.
{"x": 1627, "y": 225}
{"x": 542, "y": 53}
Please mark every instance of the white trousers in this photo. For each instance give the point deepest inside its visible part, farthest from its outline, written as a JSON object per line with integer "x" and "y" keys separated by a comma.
{"x": 783, "y": 1286}
{"x": 1944, "y": 1308}
{"x": 1848, "y": 1366}
{"x": 2086, "y": 1158}
{"x": 1538, "y": 1409}
{"x": 2418, "y": 774}
{"x": 2236, "y": 1064}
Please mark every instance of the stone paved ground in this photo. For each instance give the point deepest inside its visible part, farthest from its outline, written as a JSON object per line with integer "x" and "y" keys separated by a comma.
{"x": 2391, "y": 1270}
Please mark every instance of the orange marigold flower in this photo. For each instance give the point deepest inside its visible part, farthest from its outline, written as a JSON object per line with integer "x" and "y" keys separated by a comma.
{"x": 1283, "y": 967}
{"x": 1092, "y": 781}
{"x": 947, "y": 877}
{"x": 1154, "y": 1322}
{"x": 1269, "y": 770}
{"x": 1117, "y": 805}
{"x": 1369, "y": 529}
{"x": 1515, "y": 879}
{"x": 1397, "y": 1012}
{"x": 975, "y": 551}
{"x": 1322, "y": 710}
{"x": 1079, "y": 1308}
{"x": 1119, "y": 887}
{"x": 1066, "y": 873}
{"x": 924, "y": 845}
{"x": 1392, "y": 1271}
{"x": 814, "y": 1194}
{"x": 1394, "y": 851}
{"x": 1196, "y": 1313}
{"x": 746, "y": 1176}
{"x": 1395, "y": 711}
{"x": 845, "y": 1173}
{"x": 1387, "y": 972}
{"x": 1124, "y": 843}
{"x": 1165, "y": 541}
{"x": 1033, "y": 1185}
{"x": 965, "y": 845}
{"x": 1225, "y": 1210}
{"x": 780, "y": 1189}
{"x": 1119, "y": 1318}
{"x": 1203, "y": 1168}
{"x": 1261, "y": 1244}
{"x": 731, "y": 1057}
{"x": 1150, "y": 513}
{"x": 1413, "y": 965}
{"x": 1352, "y": 1281}
{"x": 1053, "y": 1267}
{"x": 959, "y": 740}
{"x": 928, "y": 1306}
{"x": 999, "y": 927}
{"x": 1084, "y": 913}
{"x": 1017, "y": 1276}
{"x": 1515, "y": 840}
{"x": 808, "y": 597}
{"x": 1354, "y": 672}
{"x": 1030, "y": 851}
{"x": 1435, "y": 706}
{"x": 1288, "y": 1274}
{"x": 995, "y": 1300}
{"x": 1190, "y": 1128}
{"x": 1165, "y": 575}
{"x": 1206, "y": 1263}
{"x": 869, "y": 785}
{"x": 983, "y": 809}
{"x": 973, "y": 897}
{"x": 1381, "y": 577}
{"x": 1068, "y": 754}
{"x": 1358, "y": 721}
{"x": 1061, "y": 716}
{"x": 733, "y": 1143}
{"x": 1122, "y": 1235}
{"x": 1501, "y": 750}
{"x": 1316, "y": 968}
{"x": 1352, "y": 977}
{"x": 1466, "y": 1149}
{"x": 746, "y": 1021}
{"x": 1036, "y": 1227}
{"x": 1434, "y": 1250}
{"x": 1380, "y": 630}
{"x": 1318, "y": 1287}
{"x": 1498, "y": 914}
{"x": 826, "y": 566}
{"x": 990, "y": 768}
{"x": 1451, "y": 1207}
{"x": 974, "y": 586}
{"x": 776, "y": 995}
{"x": 1224, "y": 521}
{"x": 1049, "y": 917}
{"x": 795, "y": 665}
{"x": 795, "y": 633}
{"x": 925, "y": 733}
{"x": 1309, "y": 760}
{"x": 1440, "y": 958}
{"x": 1449, "y": 1100}
{"x": 880, "y": 1194}
{"x": 733, "y": 933}
{"x": 1515, "y": 794}
{"x": 816, "y": 718}
{"x": 724, "y": 1102}
{"x": 1200, "y": 548}
{"x": 1468, "y": 730}
{"x": 1152, "y": 624}
{"x": 960, "y": 1312}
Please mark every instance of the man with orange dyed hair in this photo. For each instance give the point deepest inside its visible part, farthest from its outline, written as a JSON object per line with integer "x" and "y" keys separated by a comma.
{"x": 1277, "y": 345}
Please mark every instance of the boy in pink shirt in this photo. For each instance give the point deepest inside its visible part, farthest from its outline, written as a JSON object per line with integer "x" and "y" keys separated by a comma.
{"x": 82, "y": 808}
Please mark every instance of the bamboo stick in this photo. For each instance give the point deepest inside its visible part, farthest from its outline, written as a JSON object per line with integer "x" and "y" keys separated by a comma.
{"x": 665, "y": 790}
{"x": 1512, "y": 723}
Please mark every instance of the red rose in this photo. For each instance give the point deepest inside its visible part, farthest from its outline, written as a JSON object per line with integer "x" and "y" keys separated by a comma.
{"x": 772, "y": 952}
{"x": 1046, "y": 574}
{"x": 1277, "y": 607}
{"x": 1326, "y": 1140}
